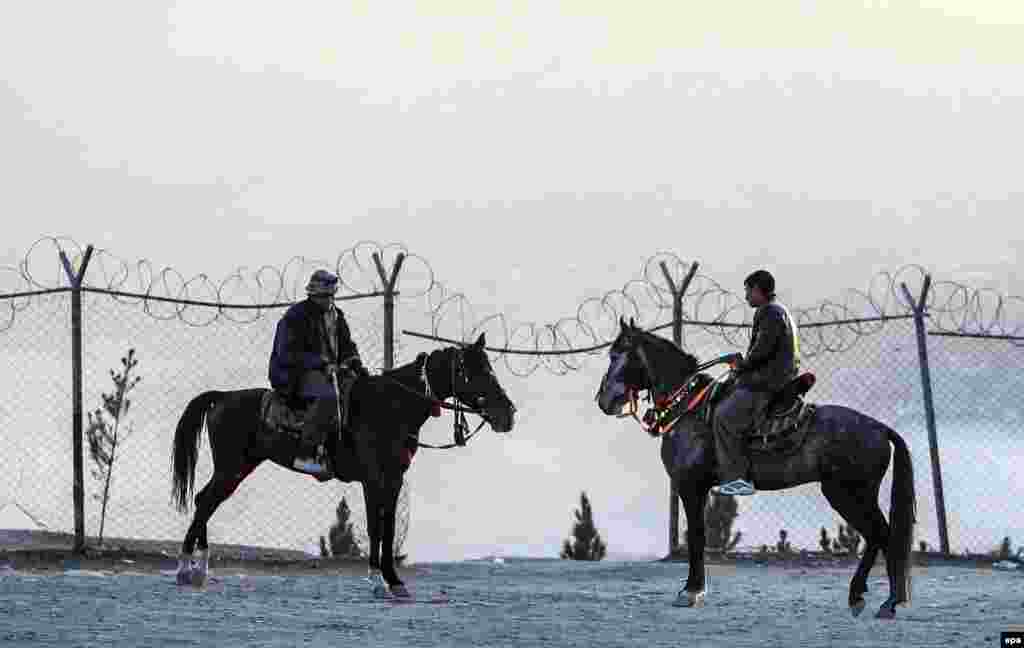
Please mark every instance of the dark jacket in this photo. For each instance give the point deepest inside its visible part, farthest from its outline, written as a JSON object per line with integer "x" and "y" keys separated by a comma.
{"x": 301, "y": 344}
{"x": 773, "y": 358}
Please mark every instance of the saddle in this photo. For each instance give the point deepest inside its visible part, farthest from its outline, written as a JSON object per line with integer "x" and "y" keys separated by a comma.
{"x": 782, "y": 425}
{"x": 284, "y": 417}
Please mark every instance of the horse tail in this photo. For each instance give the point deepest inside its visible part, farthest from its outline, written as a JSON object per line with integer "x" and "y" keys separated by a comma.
{"x": 902, "y": 515}
{"x": 186, "y": 446}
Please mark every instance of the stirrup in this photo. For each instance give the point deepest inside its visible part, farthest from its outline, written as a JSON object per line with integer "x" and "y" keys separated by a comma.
{"x": 308, "y": 464}
{"x": 735, "y": 488}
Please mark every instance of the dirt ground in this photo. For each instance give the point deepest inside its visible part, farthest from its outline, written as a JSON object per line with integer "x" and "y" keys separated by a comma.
{"x": 543, "y": 602}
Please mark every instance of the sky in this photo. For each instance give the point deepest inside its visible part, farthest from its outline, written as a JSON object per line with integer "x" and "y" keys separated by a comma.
{"x": 535, "y": 154}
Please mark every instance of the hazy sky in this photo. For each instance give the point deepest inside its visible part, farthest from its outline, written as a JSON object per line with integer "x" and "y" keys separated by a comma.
{"x": 535, "y": 154}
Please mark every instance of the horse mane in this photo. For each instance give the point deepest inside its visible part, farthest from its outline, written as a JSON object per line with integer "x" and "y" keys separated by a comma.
{"x": 688, "y": 358}
{"x": 409, "y": 372}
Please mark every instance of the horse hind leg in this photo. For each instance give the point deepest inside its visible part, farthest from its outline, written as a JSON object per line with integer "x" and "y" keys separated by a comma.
{"x": 199, "y": 518}
{"x": 220, "y": 487}
{"x": 880, "y": 532}
{"x": 888, "y": 608}
{"x": 859, "y": 507}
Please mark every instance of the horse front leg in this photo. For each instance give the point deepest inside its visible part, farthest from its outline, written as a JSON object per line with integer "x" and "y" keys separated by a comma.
{"x": 389, "y": 510}
{"x": 371, "y": 496}
{"x": 220, "y": 487}
{"x": 694, "y": 503}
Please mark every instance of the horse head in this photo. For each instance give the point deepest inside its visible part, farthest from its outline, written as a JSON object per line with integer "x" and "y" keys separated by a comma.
{"x": 472, "y": 382}
{"x": 641, "y": 361}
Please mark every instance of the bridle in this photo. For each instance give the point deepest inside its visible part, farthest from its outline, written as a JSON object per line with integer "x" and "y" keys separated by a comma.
{"x": 460, "y": 427}
{"x": 659, "y": 418}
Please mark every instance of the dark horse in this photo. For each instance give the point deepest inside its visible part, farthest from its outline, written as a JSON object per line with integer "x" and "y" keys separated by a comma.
{"x": 845, "y": 450}
{"x": 386, "y": 414}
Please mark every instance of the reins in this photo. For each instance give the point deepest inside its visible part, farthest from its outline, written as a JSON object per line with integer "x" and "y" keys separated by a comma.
{"x": 654, "y": 421}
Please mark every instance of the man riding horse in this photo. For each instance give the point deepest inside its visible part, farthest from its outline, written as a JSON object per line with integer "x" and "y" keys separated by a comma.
{"x": 772, "y": 361}
{"x": 313, "y": 364}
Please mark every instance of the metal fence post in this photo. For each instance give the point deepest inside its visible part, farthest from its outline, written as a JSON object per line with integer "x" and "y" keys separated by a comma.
{"x": 677, "y": 337}
{"x": 78, "y": 492}
{"x": 919, "y": 307}
{"x": 389, "y": 305}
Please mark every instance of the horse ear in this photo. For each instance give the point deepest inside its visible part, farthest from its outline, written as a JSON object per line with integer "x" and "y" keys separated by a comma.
{"x": 622, "y": 322}
{"x": 632, "y": 323}
{"x": 480, "y": 341}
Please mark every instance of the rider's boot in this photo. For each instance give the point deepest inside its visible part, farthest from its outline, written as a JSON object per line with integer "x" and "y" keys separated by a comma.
{"x": 311, "y": 457}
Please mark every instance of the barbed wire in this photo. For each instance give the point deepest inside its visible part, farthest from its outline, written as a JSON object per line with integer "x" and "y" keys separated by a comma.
{"x": 243, "y": 296}
{"x": 830, "y": 326}
{"x": 562, "y": 346}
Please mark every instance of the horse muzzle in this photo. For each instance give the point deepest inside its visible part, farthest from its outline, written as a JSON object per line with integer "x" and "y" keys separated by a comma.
{"x": 501, "y": 419}
{"x": 611, "y": 405}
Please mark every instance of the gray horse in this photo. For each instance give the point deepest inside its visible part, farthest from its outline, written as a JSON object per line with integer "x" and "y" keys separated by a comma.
{"x": 843, "y": 449}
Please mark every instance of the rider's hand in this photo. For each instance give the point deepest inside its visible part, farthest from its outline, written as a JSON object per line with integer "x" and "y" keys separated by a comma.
{"x": 736, "y": 361}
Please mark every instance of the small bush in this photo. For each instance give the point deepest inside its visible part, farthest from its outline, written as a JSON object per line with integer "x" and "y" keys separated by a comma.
{"x": 783, "y": 546}
{"x": 586, "y": 542}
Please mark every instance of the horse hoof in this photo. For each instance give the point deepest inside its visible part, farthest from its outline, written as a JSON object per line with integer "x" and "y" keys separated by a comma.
{"x": 184, "y": 577}
{"x": 886, "y": 612}
{"x": 400, "y": 591}
{"x": 857, "y": 607}
{"x": 378, "y": 585}
{"x": 689, "y": 599}
{"x": 201, "y": 568}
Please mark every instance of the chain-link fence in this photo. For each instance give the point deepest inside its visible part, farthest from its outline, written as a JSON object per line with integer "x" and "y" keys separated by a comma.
{"x": 185, "y": 347}
{"x": 185, "y": 344}
{"x": 977, "y": 384}
{"x": 177, "y": 361}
